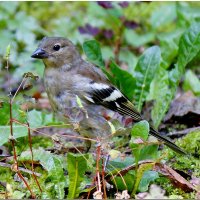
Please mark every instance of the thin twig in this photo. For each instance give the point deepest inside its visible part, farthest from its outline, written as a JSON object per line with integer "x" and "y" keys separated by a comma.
{"x": 32, "y": 165}
{"x": 24, "y": 78}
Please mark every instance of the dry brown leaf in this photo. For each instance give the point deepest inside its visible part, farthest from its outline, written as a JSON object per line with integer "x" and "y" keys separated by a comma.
{"x": 175, "y": 178}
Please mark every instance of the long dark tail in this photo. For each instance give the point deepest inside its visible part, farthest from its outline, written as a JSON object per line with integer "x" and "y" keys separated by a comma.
{"x": 166, "y": 141}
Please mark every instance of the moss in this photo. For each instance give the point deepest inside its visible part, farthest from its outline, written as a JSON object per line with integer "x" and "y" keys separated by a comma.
{"x": 190, "y": 163}
{"x": 171, "y": 190}
{"x": 191, "y": 143}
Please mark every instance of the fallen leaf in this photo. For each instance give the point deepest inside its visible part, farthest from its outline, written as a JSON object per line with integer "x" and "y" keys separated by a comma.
{"x": 185, "y": 110}
{"x": 176, "y": 179}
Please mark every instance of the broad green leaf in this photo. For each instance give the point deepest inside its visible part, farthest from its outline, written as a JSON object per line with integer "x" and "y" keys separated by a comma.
{"x": 93, "y": 52}
{"x": 149, "y": 152}
{"x": 16, "y": 113}
{"x": 140, "y": 150}
{"x": 147, "y": 178}
{"x": 189, "y": 46}
{"x": 162, "y": 99}
{"x": 18, "y": 131}
{"x": 139, "y": 130}
{"x": 76, "y": 166}
{"x": 191, "y": 82}
{"x": 145, "y": 71}
{"x": 124, "y": 80}
{"x": 53, "y": 165}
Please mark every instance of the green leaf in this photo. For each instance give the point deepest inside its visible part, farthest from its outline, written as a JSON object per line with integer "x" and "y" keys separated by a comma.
{"x": 187, "y": 13}
{"x": 191, "y": 82}
{"x": 189, "y": 46}
{"x": 16, "y": 112}
{"x": 147, "y": 178}
{"x": 18, "y": 131}
{"x": 162, "y": 99}
{"x": 125, "y": 183}
{"x": 38, "y": 118}
{"x": 53, "y": 165}
{"x": 139, "y": 174}
{"x": 76, "y": 166}
{"x": 145, "y": 71}
{"x": 124, "y": 80}
{"x": 141, "y": 151}
{"x": 93, "y": 52}
{"x": 149, "y": 152}
{"x": 163, "y": 15}
{"x": 169, "y": 46}
{"x": 138, "y": 40}
{"x": 120, "y": 163}
{"x": 139, "y": 130}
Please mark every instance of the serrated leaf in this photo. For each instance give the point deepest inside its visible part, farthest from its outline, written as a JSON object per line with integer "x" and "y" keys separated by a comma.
{"x": 189, "y": 46}
{"x": 93, "y": 52}
{"x": 161, "y": 103}
{"x": 145, "y": 70}
{"x": 76, "y": 166}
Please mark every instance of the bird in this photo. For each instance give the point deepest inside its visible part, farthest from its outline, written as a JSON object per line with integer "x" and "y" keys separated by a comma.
{"x": 69, "y": 78}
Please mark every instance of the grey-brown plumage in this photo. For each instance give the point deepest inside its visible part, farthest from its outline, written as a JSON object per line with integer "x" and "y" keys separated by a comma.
{"x": 67, "y": 76}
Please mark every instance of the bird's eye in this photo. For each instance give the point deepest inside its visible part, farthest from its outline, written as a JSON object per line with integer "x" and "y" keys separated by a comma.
{"x": 56, "y": 47}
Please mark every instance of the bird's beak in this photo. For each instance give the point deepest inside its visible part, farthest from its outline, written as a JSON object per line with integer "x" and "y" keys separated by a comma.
{"x": 40, "y": 53}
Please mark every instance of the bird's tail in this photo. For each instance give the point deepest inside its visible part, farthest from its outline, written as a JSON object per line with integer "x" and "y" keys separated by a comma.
{"x": 166, "y": 141}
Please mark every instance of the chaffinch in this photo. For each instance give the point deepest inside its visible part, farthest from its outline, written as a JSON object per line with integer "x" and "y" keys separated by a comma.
{"x": 69, "y": 79}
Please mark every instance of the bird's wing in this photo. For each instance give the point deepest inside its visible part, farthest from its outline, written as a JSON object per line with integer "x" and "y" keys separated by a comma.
{"x": 109, "y": 96}
{"x": 101, "y": 91}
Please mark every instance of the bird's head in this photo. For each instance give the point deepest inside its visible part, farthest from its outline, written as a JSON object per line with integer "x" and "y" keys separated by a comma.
{"x": 56, "y": 52}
